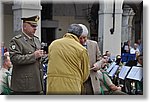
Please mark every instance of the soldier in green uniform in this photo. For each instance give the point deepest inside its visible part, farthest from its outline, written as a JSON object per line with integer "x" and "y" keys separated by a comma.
{"x": 25, "y": 54}
{"x": 5, "y": 75}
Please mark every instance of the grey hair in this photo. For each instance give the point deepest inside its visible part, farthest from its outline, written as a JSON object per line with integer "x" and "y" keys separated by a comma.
{"x": 75, "y": 29}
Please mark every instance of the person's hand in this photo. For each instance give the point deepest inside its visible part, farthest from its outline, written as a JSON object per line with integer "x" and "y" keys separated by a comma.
{"x": 114, "y": 87}
{"x": 104, "y": 65}
{"x": 38, "y": 53}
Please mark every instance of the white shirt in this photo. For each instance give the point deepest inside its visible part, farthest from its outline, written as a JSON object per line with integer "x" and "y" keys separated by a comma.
{"x": 133, "y": 51}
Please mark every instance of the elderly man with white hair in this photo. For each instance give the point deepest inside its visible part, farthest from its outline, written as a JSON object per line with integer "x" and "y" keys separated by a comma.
{"x": 95, "y": 82}
{"x": 92, "y": 85}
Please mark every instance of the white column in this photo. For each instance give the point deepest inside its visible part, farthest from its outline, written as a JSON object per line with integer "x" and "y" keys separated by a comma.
{"x": 25, "y": 8}
{"x": 108, "y": 41}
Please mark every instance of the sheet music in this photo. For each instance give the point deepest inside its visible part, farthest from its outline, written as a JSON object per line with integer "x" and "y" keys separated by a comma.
{"x": 113, "y": 71}
{"x": 123, "y": 72}
{"x": 111, "y": 66}
{"x": 136, "y": 73}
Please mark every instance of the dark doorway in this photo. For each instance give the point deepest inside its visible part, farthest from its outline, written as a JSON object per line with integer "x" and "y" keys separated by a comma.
{"x": 47, "y": 11}
{"x": 48, "y": 32}
{"x": 94, "y": 21}
{"x": 48, "y": 35}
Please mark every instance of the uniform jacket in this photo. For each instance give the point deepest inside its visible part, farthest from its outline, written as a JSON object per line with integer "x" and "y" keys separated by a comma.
{"x": 107, "y": 80}
{"x": 27, "y": 74}
{"x": 94, "y": 56}
{"x": 68, "y": 66}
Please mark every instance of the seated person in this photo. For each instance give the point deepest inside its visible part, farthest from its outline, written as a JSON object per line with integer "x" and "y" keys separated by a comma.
{"x": 140, "y": 60}
{"x": 108, "y": 54}
{"x": 134, "y": 49}
{"x": 118, "y": 60}
{"x": 139, "y": 84}
{"x": 105, "y": 65}
{"x": 133, "y": 62}
{"x": 107, "y": 87}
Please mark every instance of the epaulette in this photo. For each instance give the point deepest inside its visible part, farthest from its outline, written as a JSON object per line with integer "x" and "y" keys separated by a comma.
{"x": 18, "y": 36}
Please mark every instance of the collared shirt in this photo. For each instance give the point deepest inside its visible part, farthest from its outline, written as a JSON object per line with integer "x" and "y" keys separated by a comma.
{"x": 139, "y": 65}
{"x": 133, "y": 51}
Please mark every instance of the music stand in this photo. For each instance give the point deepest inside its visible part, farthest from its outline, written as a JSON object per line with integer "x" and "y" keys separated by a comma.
{"x": 136, "y": 73}
{"x": 123, "y": 72}
{"x": 110, "y": 67}
{"x": 113, "y": 71}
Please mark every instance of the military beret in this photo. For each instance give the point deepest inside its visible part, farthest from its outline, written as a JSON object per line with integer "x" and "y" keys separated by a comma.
{"x": 32, "y": 20}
